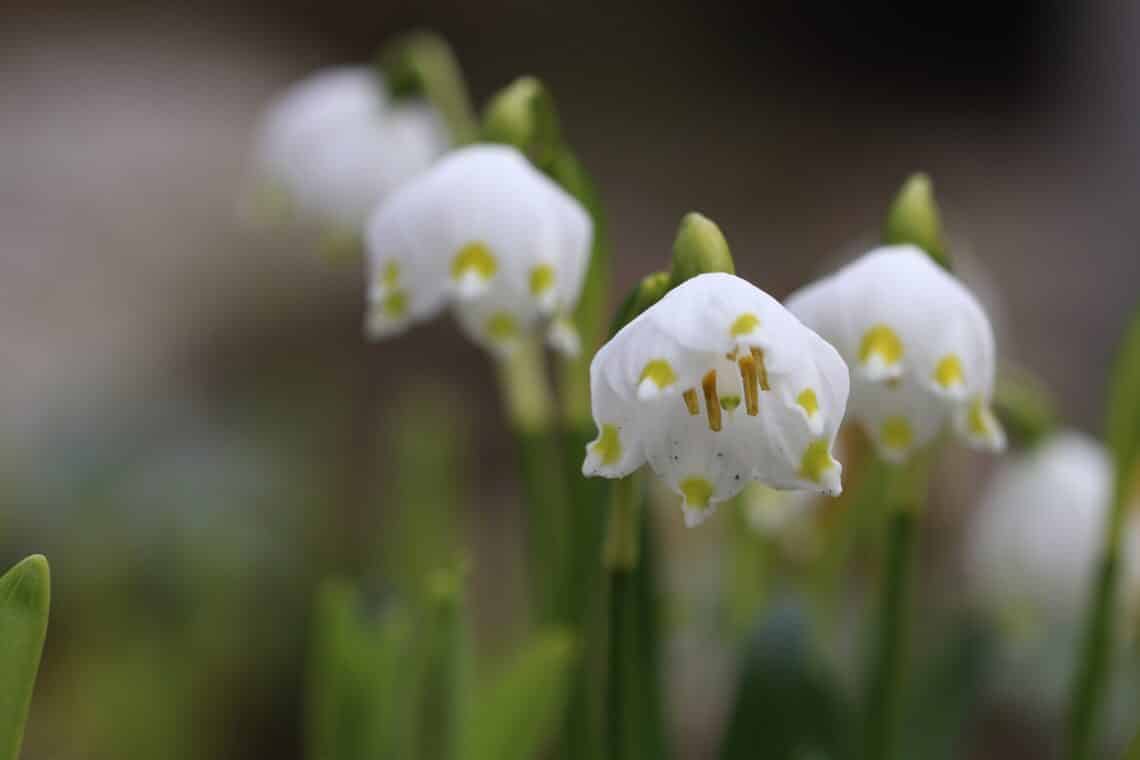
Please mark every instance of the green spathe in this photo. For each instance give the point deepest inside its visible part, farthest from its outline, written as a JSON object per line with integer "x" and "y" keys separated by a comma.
{"x": 914, "y": 218}
{"x": 523, "y": 114}
{"x": 700, "y": 248}
{"x": 25, "y": 599}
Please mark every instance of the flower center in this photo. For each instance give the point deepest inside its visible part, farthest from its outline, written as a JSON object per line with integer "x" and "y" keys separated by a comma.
{"x": 753, "y": 379}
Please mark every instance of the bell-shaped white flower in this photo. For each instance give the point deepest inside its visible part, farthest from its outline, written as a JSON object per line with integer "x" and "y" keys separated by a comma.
{"x": 919, "y": 345}
{"x": 487, "y": 232}
{"x": 717, "y": 385}
{"x": 333, "y": 145}
{"x": 1031, "y": 552}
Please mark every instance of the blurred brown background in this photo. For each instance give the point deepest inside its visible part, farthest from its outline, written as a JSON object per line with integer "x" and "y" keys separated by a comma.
{"x": 182, "y": 397}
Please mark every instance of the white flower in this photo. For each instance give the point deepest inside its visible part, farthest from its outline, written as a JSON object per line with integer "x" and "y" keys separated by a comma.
{"x": 486, "y": 231}
{"x": 333, "y": 145}
{"x": 1031, "y": 552}
{"x": 773, "y": 395}
{"x": 919, "y": 346}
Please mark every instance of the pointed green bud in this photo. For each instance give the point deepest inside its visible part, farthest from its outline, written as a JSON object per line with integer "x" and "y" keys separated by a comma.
{"x": 1023, "y": 405}
{"x": 25, "y": 598}
{"x": 522, "y": 114}
{"x": 422, "y": 64}
{"x": 914, "y": 218}
{"x": 700, "y": 248}
{"x": 643, "y": 295}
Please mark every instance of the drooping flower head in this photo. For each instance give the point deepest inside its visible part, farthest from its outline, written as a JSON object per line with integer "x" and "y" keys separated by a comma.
{"x": 1031, "y": 553}
{"x": 919, "y": 345}
{"x": 714, "y": 386}
{"x": 486, "y": 231}
{"x": 334, "y": 144}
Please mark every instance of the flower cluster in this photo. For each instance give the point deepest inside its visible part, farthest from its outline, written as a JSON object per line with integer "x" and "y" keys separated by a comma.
{"x": 919, "y": 346}
{"x": 486, "y": 232}
{"x": 334, "y": 144}
{"x": 716, "y": 385}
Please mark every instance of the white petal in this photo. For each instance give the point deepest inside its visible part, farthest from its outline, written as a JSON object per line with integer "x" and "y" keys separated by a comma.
{"x": 563, "y": 337}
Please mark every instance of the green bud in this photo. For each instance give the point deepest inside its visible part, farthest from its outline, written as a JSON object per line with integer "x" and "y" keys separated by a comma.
{"x": 522, "y": 114}
{"x": 422, "y": 64}
{"x": 913, "y": 218}
{"x": 1023, "y": 405}
{"x": 649, "y": 291}
{"x": 700, "y": 248}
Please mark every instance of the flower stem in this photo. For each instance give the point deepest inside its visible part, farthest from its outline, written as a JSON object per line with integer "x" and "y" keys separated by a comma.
{"x": 530, "y": 411}
{"x": 888, "y": 663}
{"x": 634, "y": 707}
{"x": 1096, "y": 648}
{"x": 422, "y": 63}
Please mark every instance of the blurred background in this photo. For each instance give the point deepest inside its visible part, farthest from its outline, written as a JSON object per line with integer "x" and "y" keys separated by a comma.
{"x": 194, "y": 430}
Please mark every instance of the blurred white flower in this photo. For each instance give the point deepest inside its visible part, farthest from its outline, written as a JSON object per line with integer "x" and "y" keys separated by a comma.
{"x": 1031, "y": 553}
{"x": 487, "y": 232}
{"x": 773, "y": 395}
{"x": 333, "y": 145}
{"x": 919, "y": 346}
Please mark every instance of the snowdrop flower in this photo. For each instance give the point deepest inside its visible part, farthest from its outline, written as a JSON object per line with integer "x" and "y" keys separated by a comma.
{"x": 919, "y": 346}
{"x": 486, "y": 231}
{"x": 1032, "y": 548}
{"x": 714, "y": 386}
{"x": 333, "y": 145}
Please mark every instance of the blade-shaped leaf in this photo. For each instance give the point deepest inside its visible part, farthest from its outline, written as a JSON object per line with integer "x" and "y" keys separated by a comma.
{"x": 517, "y": 712}
{"x": 787, "y": 708}
{"x": 25, "y": 598}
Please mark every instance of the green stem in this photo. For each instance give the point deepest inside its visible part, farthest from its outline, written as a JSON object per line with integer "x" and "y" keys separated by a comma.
{"x": 746, "y": 572}
{"x": 530, "y": 411}
{"x": 634, "y": 710}
{"x": 1096, "y": 649}
{"x": 888, "y": 664}
{"x": 423, "y": 64}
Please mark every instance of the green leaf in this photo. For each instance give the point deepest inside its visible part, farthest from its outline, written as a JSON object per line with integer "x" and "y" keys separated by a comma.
{"x": 1124, "y": 411}
{"x": 445, "y": 702}
{"x": 25, "y": 598}
{"x": 787, "y": 707}
{"x": 944, "y": 695}
{"x": 516, "y": 713}
{"x": 364, "y": 680}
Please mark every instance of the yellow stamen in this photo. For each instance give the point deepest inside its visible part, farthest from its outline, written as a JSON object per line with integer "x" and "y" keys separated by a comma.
{"x": 761, "y": 370}
{"x": 502, "y": 326}
{"x": 750, "y": 379}
{"x": 697, "y": 491}
{"x": 816, "y": 461}
{"x": 744, "y": 325}
{"x": 712, "y": 402}
{"x": 661, "y": 372}
{"x": 808, "y": 402}
{"x": 896, "y": 433}
{"x": 474, "y": 257}
{"x": 608, "y": 445}
{"x": 882, "y": 341}
{"x": 691, "y": 402}
{"x": 541, "y": 279}
{"x": 948, "y": 373}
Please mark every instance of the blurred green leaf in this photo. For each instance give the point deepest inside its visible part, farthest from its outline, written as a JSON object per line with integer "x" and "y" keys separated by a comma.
{"x": 446, "y": 697}
{"x": 25, "y": 599}
{"x": 364, "y": 680}
{"x": 943, "y": 696}
{"x": 1124, "y": 410}
{"x": 787, "y": 707}
{"x": 516, "y": 713}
